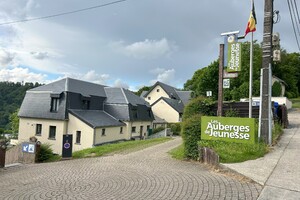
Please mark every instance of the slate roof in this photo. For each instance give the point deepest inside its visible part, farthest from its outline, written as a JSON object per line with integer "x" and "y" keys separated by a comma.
{"x": 158, "y": 120}
{"x": 73, "y": 85}
{"x": 122, "y": 96}
{"x": 171, "y": 91}
{"x": 96, "y": 118}
{"x": 184, "y": 96}
{"x": 174, "y": 103}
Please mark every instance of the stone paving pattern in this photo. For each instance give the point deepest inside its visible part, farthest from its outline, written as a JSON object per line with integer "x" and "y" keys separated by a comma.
{"x": 146, "y": 174}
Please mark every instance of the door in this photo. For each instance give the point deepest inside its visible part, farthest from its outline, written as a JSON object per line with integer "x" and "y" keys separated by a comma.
{"x": 67, "y": 146}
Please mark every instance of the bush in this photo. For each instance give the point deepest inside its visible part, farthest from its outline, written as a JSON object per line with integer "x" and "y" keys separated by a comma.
{"x": 175, "y": 128}
{"x": 276, "y": 89}
{"x": 199, "y": 105}
{"x": 191, "y": 134}
{"x": 45, "y": 154}
{"x": 158, "y": 129}
{"x": 231, "y": 113}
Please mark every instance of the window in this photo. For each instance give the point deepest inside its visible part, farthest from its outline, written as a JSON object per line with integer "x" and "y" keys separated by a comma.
{"x": 148, "y": 127}
{"x": 54, "y": 104}
{"x": 121, "y": 130}
{"x": 149, "y": 98}
{"x": 52, "y": 132}
{"x": 103, "y": 132}
{"x": 133, "y": 129}
{"x": 86, "y": 104}
{"x": 38, "y": 130}
{"x": 157, "y": 90}
{"x": 78, "y": 137}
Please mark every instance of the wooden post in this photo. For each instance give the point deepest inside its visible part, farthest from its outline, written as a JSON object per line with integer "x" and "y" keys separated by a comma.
{"x": 220, "y": 90}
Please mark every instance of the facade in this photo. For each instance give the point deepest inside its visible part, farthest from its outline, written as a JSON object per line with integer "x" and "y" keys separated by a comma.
{"x": 167, "y": 102}
{"x": 93, "y": 114}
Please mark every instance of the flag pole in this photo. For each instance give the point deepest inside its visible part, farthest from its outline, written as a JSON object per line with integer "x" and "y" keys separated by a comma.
{"x": 251, "y": 71}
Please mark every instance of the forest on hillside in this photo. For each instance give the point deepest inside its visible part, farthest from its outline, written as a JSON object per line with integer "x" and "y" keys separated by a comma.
{"x": 11, "y": 97}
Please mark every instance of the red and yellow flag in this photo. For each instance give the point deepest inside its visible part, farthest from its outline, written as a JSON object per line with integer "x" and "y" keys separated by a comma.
{"x": 251, "y": 26}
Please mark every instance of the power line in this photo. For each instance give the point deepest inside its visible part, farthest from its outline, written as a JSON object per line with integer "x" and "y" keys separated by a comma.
{"x": 61, "y": 14}
{"x": 293, "y": 24}
{"x": 297, "y": 11}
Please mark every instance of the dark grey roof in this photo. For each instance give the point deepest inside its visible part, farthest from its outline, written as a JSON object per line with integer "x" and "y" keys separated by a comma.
{"x": 96, "y": 118}
{"x": 158, "y": 120}
{"x": 37, "y": 105}
{"x": 73, "y": 85}
{"x": 171, "y": 91}
{"x": 143, "y": 94}
{"x": 184, "y": 96}
{"x": 119, "y": 111}
{"x": 123, "y": 96}
{"x": 174, "y": 103}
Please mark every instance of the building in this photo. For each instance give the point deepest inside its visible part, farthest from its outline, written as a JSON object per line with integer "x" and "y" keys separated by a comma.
{"x": 167, "y": 102}
{"x": 93, "y": 114}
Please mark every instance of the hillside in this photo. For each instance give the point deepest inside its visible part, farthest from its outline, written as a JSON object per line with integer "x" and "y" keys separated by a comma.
{"x": 11, "y": 96}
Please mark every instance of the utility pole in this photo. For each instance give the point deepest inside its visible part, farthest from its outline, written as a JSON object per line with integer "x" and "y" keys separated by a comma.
{"x": 266, "y": 69}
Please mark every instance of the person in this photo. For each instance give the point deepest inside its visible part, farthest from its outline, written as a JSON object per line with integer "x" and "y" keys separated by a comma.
{"x": 279, "y": 114}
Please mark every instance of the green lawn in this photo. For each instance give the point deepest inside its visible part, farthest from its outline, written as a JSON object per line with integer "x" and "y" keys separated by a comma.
{"x": 127, "y": 146}
{"x": 296, "y": 102}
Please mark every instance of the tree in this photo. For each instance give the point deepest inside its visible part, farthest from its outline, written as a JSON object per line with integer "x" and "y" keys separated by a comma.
{"x": 144, "y": 88}
{"x": 14, "y": 122}
{"x": 276, "y": 89}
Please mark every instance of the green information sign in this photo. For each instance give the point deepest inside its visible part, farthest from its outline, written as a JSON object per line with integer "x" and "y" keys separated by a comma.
{"x": 234, "y": 57}
{"x": 230, "y": 129}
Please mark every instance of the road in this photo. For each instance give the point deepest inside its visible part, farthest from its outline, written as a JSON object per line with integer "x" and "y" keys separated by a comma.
{"x": 146, "y": 174}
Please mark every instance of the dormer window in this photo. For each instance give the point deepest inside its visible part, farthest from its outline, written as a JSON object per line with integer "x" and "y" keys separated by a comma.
{"x": 86, "y": 104}
{"x": 54, "y": 104}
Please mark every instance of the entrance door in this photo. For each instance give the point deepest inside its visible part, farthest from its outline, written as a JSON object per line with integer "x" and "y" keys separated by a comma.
{"x": 141, "y": 132}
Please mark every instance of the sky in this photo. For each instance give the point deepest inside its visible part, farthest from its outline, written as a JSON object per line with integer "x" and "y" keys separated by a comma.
{"x": 129, "y": 44}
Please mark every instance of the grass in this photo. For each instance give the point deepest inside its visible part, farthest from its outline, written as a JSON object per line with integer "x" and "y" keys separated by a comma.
{"x": 127, "y": 146}
{"x": 296, "y": 102}
{"x": 178, "y": 152}
{"x": 233, "y": 152}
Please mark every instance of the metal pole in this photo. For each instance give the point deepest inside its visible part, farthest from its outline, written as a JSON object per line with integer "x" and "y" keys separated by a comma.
{"x": 220, "y": 92}
{"x": 251, "y": 71}
{"x": 270, "y": 105}
{"x": 260, "y": 102}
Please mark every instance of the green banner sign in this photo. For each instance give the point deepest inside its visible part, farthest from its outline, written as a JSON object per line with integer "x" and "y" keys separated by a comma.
{"x": 234, "y": 57}
{"x": 230, "y": 129}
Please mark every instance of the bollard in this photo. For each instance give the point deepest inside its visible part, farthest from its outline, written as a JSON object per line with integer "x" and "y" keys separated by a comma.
{"x": 2, "y": 154}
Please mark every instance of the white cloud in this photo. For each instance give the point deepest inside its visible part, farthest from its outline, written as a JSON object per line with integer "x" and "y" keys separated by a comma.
{"x": 6, "y": 58}
{"x": 21, "y": 74}
{"x": 147, "y": 49}
{"x": 164, "y": 75}
{"x": 119, "y": 83}
{"x": 90, "y": 76}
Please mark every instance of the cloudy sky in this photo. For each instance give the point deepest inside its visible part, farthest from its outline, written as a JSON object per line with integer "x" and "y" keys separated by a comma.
{"x": 129, "y": 44}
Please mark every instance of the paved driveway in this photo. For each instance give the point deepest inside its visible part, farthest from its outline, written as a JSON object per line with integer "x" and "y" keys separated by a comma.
{"x": 145, "y": 174}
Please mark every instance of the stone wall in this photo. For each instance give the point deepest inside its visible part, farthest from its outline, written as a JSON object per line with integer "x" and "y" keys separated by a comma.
{"x": 15, "y": 155}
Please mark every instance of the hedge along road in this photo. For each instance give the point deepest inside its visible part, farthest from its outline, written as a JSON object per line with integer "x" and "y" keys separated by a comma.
{"x": 146, "y": 174}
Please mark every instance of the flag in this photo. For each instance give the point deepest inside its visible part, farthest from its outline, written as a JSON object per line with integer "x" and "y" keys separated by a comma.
{"x": 251, "y": 26}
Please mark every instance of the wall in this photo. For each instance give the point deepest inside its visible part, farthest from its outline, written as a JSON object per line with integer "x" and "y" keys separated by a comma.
{"x": 87, "y": 133}
{"x": 27, "y": 128}
{"x": 156, "y": 95}
{"x": 111, "y": 134}
{"x": 164, "y": 111}
{"x": 138, "y": 124}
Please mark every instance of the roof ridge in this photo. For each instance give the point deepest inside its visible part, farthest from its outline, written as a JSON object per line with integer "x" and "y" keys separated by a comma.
{"x": 122, "y": 89}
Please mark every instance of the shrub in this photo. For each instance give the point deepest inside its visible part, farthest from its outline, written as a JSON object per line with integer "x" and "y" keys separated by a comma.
{"x": 231, "y": 113}
{"x": 191, "y": 134}
{"x": 158, "y": 129}
{"x": 45, "y": 154}
{"x": 276, "y": 89}
{"x": 175, "y": 128}
{"x": 199, "y": 105}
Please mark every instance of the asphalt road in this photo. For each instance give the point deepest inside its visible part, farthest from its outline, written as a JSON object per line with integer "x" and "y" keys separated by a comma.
{"x": 145, "y": 174}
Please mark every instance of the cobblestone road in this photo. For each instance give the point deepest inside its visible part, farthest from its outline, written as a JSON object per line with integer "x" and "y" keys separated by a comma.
{"x": 145, "y": 174}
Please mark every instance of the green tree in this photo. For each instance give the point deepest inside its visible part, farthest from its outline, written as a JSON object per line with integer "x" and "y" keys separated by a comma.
{"x": 14, "y": 122}
{"x": 145, "y": 88}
